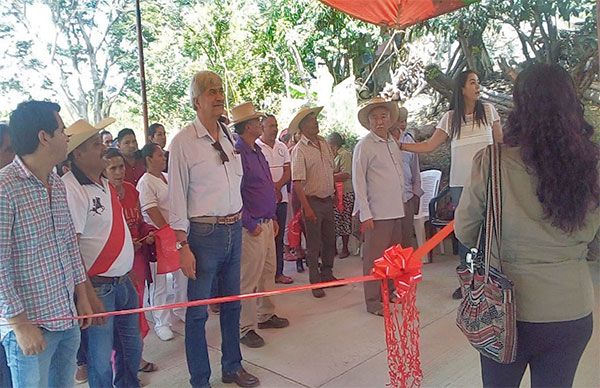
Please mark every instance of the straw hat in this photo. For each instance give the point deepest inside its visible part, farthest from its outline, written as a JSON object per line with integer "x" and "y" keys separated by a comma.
{"x": 81, "y": 130}
{"x": 244, "y": 112}
{"x": 300, "y": 115}
{"x": 363, "y": 112}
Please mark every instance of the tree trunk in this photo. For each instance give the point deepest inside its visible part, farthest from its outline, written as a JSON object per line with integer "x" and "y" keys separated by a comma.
{"x": 598, "y": 30}
{"x": 304, "y": 77}
{"x": 439, "y": 81}
{"x": 502, "y": 102}
{"x": 474, "y": 50}
{"x": 584, "y": 73}
{"x": 593, "y": 93}
{"x": 508, "y": 71}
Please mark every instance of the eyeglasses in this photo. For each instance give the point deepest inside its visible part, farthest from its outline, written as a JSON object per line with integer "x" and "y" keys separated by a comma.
{"x": 224, "y": 158}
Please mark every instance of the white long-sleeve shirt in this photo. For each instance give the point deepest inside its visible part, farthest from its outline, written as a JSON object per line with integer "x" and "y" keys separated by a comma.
{"x": 378, "y": 179}
{"x": 200, "y": 184}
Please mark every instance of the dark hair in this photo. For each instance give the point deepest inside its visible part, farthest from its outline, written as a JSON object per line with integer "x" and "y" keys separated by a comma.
{"x": 336, "y": 139}
{"x": 27, "y": 121}
{"x": 113, "y": 153}
{"x": 458, "y": 106}
{"x": 3, "y": 132}
{"x": 124, "y": 132}
{"x": 239, "y": 128}
{"x": 64, "y": 163}
{"x": 148, "y": 150}
{"x": 547, "y": 122}
{"x": 153, "y": 127}
{"x": 104, "y": 132}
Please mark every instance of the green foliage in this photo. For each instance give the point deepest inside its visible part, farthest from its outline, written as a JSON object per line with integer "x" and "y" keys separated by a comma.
{"x": 265, "y": 50}
{"x": 267, "y": 32}
{"x": 83, "y": 53}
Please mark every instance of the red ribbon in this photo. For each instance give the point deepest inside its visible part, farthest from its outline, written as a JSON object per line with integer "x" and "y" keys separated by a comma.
{"x": 399, "y": 264}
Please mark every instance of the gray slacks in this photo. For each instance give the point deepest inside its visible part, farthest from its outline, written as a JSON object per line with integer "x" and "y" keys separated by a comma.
{"x": 385, "y": 234}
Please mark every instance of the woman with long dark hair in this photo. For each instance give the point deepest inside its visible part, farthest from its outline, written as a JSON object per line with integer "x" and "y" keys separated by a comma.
{"x": 471, "y": 125}
{"x": 550, "y": 190}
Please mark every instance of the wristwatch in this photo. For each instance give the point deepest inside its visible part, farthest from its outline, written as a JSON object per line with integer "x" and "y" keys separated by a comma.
{"x": 180, "y": 244}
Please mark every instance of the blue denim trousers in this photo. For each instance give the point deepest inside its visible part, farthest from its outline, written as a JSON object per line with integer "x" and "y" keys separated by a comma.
{"x": 217, "y": 249}
{"x": 5, "y": 379}
{"x": 54, "y": 367}
{"x": 121, "y": 333}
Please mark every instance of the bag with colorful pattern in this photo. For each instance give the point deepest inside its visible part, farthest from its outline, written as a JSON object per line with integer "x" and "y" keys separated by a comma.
{"x": 487, "y": 313}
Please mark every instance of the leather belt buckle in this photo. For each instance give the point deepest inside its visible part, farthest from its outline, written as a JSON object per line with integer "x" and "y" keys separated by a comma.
{"x": 230, "y": 219}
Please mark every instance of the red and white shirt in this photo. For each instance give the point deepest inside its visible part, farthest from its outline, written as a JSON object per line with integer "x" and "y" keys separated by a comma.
{"x": 104, "y": 238}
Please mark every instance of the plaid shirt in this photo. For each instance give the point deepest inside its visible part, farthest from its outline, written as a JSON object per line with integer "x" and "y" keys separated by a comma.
{"x": 40, "y": 263}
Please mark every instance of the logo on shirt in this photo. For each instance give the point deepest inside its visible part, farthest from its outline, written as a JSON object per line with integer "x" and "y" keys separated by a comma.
{"x": 281, "y": 152}
{"x": 97, "y": 207}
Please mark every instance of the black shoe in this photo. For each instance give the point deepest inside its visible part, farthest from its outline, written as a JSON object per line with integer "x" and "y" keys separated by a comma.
{"x": 318, "y": 293}
{"x": 299, "y": 266}
{"x": 274, "y": 323}
{"x": 252, "y": 340}
{"x": 241, "y": 378}
{"x": 457, "y": 294}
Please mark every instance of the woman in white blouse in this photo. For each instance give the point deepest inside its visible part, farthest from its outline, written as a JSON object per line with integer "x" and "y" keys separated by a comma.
{"x": 470, "y": 125}
{"x": 154, "y": 202}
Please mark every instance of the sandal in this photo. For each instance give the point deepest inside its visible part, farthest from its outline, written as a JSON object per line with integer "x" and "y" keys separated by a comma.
{"x": 148, "y": 367}
{"x": 282, "y": 279}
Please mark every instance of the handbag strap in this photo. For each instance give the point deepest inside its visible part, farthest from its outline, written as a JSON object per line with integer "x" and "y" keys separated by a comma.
{"x": 493, "y": 219}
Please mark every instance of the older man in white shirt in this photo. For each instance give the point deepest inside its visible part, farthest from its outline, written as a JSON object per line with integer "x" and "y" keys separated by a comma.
{"x": 205, "y": 205}
{"x": 378, "y": 181}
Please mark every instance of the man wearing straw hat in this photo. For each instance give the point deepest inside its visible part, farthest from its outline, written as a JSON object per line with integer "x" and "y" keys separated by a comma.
{"x": 259, "y": 221}
{"x": 378, "y": 181}
{"x": 107, "y": 251}
{"x": 205, "y": 206}
{"x": 41, "y": 266}
{"x": 312, "y": 174}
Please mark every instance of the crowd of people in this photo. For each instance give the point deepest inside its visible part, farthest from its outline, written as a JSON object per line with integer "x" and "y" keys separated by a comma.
{"x": 79, "y": 213}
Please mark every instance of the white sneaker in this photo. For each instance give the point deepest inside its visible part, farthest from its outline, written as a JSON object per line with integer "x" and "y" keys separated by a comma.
{"x": 164, "y": 333}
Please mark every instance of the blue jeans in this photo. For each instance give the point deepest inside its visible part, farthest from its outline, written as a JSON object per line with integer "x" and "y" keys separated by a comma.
{"x": 455, "y": 193}
{"x": 217, "y": 249}
{"x": 5, "y": 379}
{"x": 54, "y": 367}
{"x": 281, "y": 219}
{"x": 121, "y": 333}
{"x": 83, "y": 348}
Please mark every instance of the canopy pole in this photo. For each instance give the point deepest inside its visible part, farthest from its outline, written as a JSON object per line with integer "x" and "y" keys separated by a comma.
{"x": 138, "y": 19}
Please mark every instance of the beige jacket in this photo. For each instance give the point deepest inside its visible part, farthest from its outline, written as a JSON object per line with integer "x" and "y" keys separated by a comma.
{"x": 547, "y": 265}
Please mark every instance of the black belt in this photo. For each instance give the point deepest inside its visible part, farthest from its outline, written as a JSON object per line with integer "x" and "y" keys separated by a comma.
{"x": 109, "y": 279}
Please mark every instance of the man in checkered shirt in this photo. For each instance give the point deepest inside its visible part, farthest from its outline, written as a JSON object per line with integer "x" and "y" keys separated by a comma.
{"x": 41, "y": 272}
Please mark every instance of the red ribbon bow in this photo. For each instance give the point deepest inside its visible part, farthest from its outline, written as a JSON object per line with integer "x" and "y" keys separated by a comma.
{"x": 400, "y": 265}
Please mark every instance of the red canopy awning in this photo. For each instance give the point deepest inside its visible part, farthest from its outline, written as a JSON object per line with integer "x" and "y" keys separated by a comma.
{"x": 396, "y": 13}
